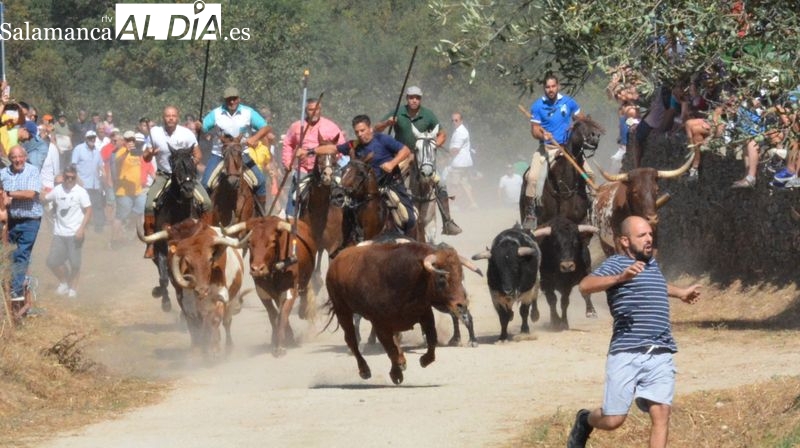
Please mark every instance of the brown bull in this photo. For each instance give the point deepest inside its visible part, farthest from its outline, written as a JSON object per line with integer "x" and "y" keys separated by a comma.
{"x": 207, "y": 271}
{"x": 394, "y": 286}
{"x": 281, "y": 265}
{"x": 632, "y": 193}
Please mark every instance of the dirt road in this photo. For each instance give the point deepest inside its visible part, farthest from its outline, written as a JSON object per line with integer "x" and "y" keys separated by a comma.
{"x": 469, "y": 397}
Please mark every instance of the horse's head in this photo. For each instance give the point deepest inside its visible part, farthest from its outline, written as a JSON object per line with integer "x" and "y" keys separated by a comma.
{"x": 425, "y": 151}
{"x": 357, "y": 183}
{"x": 325, "y": 166}
{"x": 232, "y": 164}
{"x": 184, "y": 171}
{"x": 585, "y": 136}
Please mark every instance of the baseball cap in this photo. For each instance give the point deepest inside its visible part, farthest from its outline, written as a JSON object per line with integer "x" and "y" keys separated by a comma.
{"x": 128, "y": 135}
{"x": 139, "y": 137}
{"x": 114, "y": 131}
{"x": 90, "y": 133}
{"x": 231, "y": 92}
{"x": 414, "y": 90}
{"x": 32, "y": 128}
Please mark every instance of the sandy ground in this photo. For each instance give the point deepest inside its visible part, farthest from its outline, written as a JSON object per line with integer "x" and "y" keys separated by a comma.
{"x": 469, "y": 397}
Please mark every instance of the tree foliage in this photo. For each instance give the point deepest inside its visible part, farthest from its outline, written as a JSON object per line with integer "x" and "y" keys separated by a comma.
{"x": 666, "y": 41}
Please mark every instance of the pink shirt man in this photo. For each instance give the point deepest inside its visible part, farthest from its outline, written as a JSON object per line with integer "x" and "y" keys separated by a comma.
{"x": 321, "y": 129}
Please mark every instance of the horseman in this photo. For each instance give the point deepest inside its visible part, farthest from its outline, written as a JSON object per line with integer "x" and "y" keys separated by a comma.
{"x": 234, "y": 119}
{"x": 167, "y": 139}
{"x": 315, "y": 130}
{"x": 424, "y": 120}
{"x": 384, "y": 154}
{"x": 551, "y": 120}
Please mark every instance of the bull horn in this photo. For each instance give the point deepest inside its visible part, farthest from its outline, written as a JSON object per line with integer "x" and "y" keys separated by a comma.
{"x": 485, "y": 255}
{"x": 677, "y": 172}
{"x": 525, "y": 251}
{"x": 663, "y": 199}
{"x": 284, "y": 226}
{"x": 582, "y": 228}
{"x": 232, "y": 242}
{"x": 150, "y": 239}
{"x": 428, "y": 263}
{"x": 175, "y": 267}
{"x": 621, "y": 177}
{"x": 365, "y": 243}
{"x": 234, "y": 228}
{"x": 470, "y": 265}
{"x": 544, "y": 231}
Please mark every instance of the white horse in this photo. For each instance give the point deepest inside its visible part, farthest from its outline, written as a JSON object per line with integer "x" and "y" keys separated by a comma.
{"x": 422, "y": 181}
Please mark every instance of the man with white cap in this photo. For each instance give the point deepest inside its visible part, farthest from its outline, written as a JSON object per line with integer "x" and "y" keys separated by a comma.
{"x": 424, "y": 120}
{"x": 234, "y": 119}
{"x": 87, "y": 159}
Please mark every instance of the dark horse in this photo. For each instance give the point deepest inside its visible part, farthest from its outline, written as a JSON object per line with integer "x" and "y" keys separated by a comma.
{"x": 564, "y": 191}
{"x": 422, "y": 183}
{"x": 316, "y": 210}
{"x": 232, "y": 200}
{"x": 366, "y": 216}
{"x": 175, "y": 204}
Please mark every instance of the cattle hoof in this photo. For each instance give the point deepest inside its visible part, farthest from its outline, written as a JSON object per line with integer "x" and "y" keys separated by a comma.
{"x": 156, "y": 292}
{"x": 396, "y": 374}
{"x": 473, "y": 343}
{"x": 591, "y": 314}
{"x": 454, "y": 342}
{"x": 166, "y": 305}
{"x": 365, "y": 374}
{"x": 426, "y": 359}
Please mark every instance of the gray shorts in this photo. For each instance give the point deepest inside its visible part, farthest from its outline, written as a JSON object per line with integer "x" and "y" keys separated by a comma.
{"x": 637, "y": 375}
{"x": 63, "y": 249}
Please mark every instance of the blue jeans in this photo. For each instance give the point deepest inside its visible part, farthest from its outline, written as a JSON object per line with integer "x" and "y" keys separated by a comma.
{"x": 21, "y": 232}
{"x": 214, "y": 160}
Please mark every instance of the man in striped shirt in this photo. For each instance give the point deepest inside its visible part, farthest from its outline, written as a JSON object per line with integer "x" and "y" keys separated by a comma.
{"x": 639, "y": 363}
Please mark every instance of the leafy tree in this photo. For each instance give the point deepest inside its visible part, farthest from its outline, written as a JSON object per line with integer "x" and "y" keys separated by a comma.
{"x": 756, "y": 42}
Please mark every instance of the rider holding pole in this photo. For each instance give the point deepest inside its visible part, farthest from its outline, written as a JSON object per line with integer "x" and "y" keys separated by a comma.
{"x": 551, "y": 120}
{"x": 424, "y": 120}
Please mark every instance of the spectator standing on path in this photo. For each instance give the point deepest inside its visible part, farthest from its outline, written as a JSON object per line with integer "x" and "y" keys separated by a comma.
{"x": 551, "y": 120}
{"x": 131, "y": 173}
{"x": 73, "y": 211}
{"x": 88, "y": 161}
{"x": 424, "y": 120}
{"x": 509, "y": 187}
{"x": 461, "y": 164}
{"x": 22, "y": 185}
{"x": 639, "y": 364}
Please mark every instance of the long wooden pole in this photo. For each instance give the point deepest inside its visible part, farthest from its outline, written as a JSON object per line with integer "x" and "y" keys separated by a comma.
{"x": 566, "y": 155}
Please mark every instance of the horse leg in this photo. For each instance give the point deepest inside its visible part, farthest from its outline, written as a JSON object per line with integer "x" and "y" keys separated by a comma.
{"x": 163, "y": 282}
{"x": 316, "y": 276}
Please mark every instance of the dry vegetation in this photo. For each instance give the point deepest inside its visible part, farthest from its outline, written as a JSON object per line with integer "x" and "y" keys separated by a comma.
{"x": 48, "y": 384}
{"x": 757, "y": 415}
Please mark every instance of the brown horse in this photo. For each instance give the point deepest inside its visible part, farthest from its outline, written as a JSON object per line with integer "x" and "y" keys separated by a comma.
{"x": 232, "y": 200}
{"x": 365, "y": 215}
{"x": 316, "y": 210}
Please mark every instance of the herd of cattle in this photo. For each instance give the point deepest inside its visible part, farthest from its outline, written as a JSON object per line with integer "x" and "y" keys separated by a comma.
{"x": 393, "y": 283}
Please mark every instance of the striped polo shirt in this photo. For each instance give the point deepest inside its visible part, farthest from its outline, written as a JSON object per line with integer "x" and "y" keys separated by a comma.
{"x": 640, "y": 307}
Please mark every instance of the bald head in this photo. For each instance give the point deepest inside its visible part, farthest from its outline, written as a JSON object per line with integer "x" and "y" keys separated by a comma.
{"x": 636, "y": 238}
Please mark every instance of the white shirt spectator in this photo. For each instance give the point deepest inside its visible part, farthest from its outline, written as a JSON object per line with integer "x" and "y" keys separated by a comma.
{"x": 460, "y": 140}
{"x": 69, "y": 208}
{"x": 510, "y": 186}
{"x": 51, "y": 167}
